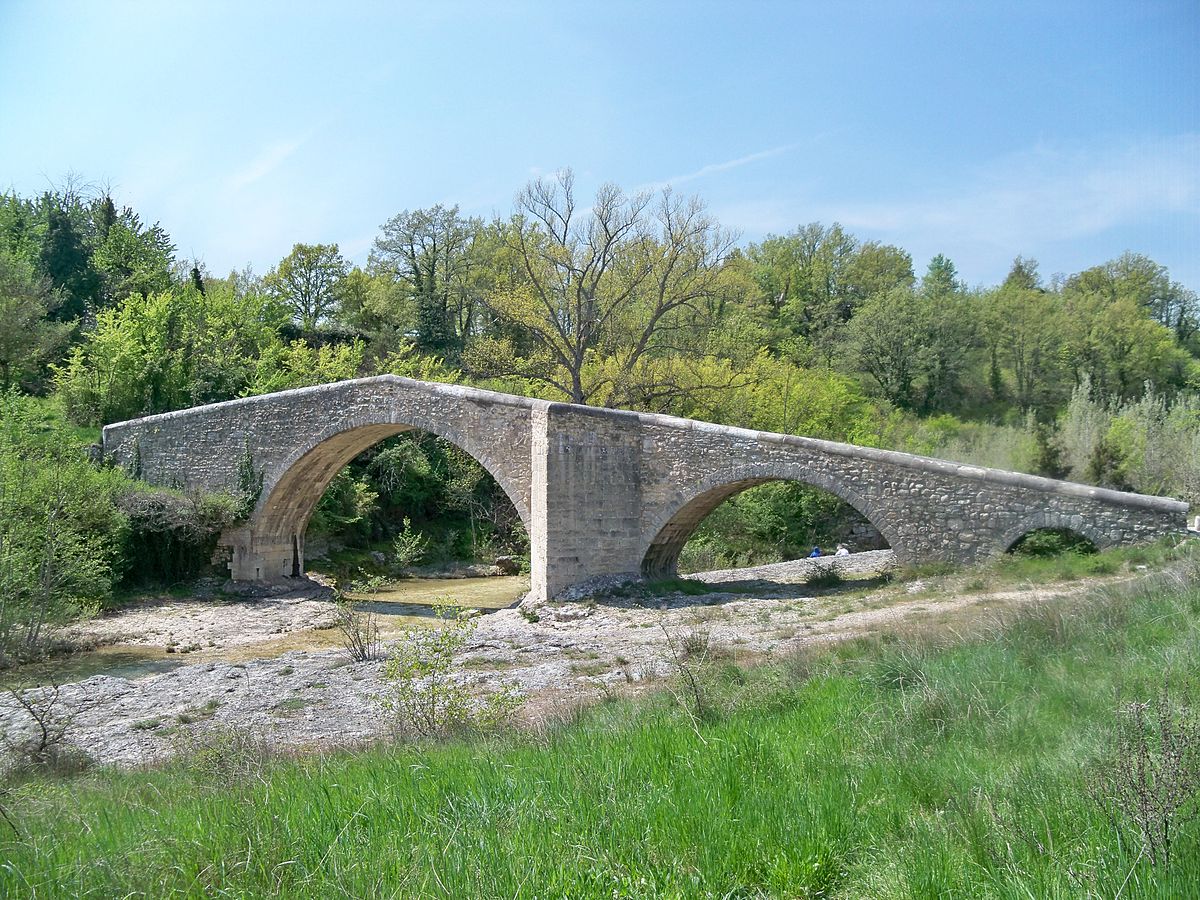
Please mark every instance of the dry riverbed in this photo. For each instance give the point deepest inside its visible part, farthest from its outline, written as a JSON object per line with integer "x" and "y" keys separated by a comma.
{"x": 275, "y": 664}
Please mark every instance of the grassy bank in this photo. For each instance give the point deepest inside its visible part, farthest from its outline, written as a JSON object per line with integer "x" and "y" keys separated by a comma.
{"x": 918, "y": 766}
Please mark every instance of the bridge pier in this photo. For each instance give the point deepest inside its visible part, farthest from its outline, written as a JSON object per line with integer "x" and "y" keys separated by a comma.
{"x": 586, "y": 516}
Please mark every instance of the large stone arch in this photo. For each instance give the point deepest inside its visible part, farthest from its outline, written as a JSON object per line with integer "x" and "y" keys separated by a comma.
{"x": 669, "y": 528}
{"x": 300, "y": 440}
{"x": 283, "y": 511}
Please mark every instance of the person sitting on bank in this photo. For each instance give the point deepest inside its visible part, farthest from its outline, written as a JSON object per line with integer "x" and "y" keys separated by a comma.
{"x": 842, "y": 550}
{"x": 816, "y": 551}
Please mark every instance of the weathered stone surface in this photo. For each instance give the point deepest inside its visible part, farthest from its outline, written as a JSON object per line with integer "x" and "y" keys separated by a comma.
{"x": 603, "y": 493}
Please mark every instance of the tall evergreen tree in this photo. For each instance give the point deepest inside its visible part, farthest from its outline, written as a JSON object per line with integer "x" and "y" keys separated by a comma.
{"x": 67, "y": 263}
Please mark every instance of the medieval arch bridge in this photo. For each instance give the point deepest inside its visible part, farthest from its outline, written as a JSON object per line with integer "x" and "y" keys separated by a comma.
{"x": 601, "y": 492}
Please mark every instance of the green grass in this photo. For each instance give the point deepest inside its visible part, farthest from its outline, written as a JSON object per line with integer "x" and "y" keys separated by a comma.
{"x": 1022, "y": 569}
{"x": 290, "y": 705}
{"x": 907, "y": 766}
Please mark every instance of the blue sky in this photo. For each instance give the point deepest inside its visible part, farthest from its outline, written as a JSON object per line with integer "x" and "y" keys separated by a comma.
{"x": 1069, "y": 132}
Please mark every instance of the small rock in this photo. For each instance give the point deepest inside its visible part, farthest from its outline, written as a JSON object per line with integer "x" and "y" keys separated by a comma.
{"x": 571, "y": 612}
{"x": 507, "y": 565}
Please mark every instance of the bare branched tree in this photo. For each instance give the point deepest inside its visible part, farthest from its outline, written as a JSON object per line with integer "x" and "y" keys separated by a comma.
{"x": 602, "y": 288}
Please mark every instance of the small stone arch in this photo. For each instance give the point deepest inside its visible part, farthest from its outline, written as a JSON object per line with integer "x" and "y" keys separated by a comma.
{"x": 1047, "y": 519}
{"x": 666, "y": 533}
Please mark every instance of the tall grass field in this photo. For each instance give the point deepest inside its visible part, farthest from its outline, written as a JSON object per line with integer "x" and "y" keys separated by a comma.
{"x": 968, "y": 765}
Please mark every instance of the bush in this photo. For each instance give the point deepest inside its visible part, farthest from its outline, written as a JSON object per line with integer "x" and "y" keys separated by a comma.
{"x": 1053, "y": 542}
{"x": 409, "y": 546}
{"x": 1151, "y": 781}
{"x": 42, "y": 746}
{"x": 60, "y": 532}
{"x": 171, "y": 537}
{"x": 423, "y": 695}
{"x": 360, "y": 631}
{"x": 224, "y": 752}
{"x": 824, "y": 575}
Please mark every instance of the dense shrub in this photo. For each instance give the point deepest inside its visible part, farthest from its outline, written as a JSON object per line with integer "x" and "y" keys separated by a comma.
{"x": 1052, "y": 542}
{"x": 425, "y": 491}
{"x": 60, "y": 530}
{"x": 171, "y": 537}
{"x": 71, "y": 529}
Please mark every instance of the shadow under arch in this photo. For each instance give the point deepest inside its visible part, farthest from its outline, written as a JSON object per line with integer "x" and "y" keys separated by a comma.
{"x": 665, "y": 536}
{"x": 282, "y": 514}
{"x": 1055, "y": 521}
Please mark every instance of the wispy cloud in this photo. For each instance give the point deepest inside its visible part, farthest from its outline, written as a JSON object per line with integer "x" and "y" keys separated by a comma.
{"x": 1048, "y": 201}
{"x": 267, "y": 161}
{"x": 1045, "y": 194}
{"x": 713, "y": 168}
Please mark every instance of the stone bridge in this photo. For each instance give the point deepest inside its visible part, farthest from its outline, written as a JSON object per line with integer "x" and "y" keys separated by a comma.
{"x": 601, "y": 492}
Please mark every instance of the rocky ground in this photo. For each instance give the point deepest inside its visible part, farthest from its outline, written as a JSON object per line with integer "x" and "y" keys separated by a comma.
{"x": 253, "y": 663}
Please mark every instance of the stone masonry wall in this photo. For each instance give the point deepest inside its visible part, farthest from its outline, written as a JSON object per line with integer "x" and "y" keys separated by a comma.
{"x": 593, "y": 498}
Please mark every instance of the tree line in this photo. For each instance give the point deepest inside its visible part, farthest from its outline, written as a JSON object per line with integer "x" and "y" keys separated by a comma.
{"x": 635, "y": 301}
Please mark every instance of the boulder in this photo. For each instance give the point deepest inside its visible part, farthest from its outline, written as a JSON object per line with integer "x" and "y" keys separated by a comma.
{"x": 508, "y": 565}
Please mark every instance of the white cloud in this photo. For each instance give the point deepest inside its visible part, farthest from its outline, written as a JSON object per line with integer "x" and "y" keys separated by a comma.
{"x": 1060, "y": 204}
{"x": 1044, "y": 194}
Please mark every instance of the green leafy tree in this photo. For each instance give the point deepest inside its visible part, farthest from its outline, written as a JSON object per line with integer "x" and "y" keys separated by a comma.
{"x": 1025, "y": 328}
{"x": 1114, "y": 343}
{"x": 299, "y": 364}
{"x": 889, "y": 341}
{"x": 941, "y": 279}
{"x": 28, "y": 339}
{"x": 952, "y": 333}
{"x": 167, "y": 351}
{"x": 130, "y": 258}
{"x": 1140, "y": 279}
{"x": 59, "y": 530}
{"x": 816, "y": 277}
{"x": 430, "y": 253}
{"x": 374, "y": 306}
{"x": 67, "y": 261}
{"x": 19, "y": 228}
{"x": 307, "y": 282}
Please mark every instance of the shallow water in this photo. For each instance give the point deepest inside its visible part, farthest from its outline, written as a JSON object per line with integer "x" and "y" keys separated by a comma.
{"x": 399, "y": 605}
{"x": 416, "y": 596}
{"x": 117, "y": 660}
